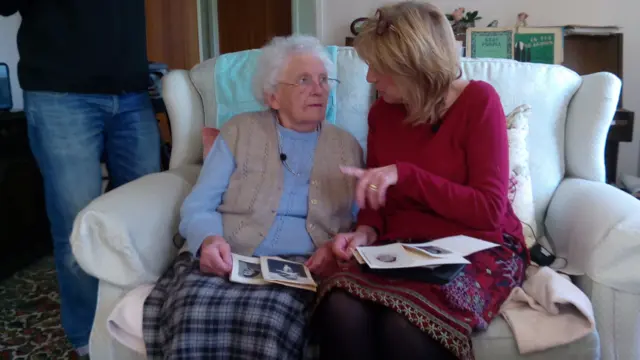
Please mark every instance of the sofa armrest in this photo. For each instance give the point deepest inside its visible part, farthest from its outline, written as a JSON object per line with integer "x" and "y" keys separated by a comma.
{"x": 589, "y": 117}
{"x": 596, "y": 227}
{"x": 186, "y": 117}
{"x": 124, "y": 237}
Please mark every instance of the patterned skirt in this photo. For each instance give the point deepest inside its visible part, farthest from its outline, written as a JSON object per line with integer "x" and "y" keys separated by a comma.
{"x": 448, "y": 313}
{"x": 189, "y": 315}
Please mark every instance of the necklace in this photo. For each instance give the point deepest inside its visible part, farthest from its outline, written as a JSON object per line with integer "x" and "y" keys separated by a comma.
{"x": 283, "y": 155}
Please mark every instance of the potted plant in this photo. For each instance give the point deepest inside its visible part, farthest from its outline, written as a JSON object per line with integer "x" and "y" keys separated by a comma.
{"x": 461, "y": 21}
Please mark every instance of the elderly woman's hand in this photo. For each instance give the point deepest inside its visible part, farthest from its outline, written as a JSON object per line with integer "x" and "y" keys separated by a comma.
{"x": 215, "y": 256}
{"x": 322, "y": 261}
{"x": 372, "y": 184}
{"x": 345, "y": 244}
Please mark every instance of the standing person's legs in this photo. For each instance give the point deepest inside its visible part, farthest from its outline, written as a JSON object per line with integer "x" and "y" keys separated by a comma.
{"x": 132, "y": 139}
{"x": 65, "y": 134}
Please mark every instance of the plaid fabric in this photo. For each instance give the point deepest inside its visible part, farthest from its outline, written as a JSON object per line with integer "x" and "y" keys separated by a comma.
{"x": 192, "y": 316}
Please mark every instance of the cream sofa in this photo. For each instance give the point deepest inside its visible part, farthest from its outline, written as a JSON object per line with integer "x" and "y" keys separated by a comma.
{"x": 124, "y": 238}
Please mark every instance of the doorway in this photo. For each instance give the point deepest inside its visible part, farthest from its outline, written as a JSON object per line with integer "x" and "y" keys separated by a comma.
{"x": 235, "y": 25}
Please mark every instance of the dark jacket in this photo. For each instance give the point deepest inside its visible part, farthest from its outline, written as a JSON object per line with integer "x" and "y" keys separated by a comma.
{"x": 81, "y": 46}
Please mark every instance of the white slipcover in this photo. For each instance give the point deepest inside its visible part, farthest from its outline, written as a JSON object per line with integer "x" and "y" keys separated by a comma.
{"x": 124, "y": 238}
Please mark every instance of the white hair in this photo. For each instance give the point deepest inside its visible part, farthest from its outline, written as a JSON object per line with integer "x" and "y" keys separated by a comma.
{"x": 275, "y": 57}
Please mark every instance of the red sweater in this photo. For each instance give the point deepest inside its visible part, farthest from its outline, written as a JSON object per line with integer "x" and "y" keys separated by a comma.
{"x": 452, "y": 180}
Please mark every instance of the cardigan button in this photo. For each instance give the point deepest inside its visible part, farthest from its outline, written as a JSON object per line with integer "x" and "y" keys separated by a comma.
{"x": 314, "y": 202}
{"x": 311, "y": 226}
{"x": 314, "y": 182}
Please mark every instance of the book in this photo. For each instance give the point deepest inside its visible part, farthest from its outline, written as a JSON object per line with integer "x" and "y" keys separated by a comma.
{"x": 490, "y": 42}
{"x": 526, "y": 44}
{"x": 266, "y": 270}
{"x": 445, "y": 251}
{"x": 542, "y": 45}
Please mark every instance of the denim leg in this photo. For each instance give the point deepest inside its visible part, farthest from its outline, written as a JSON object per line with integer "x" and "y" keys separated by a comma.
{"x": 66, "y": 138}
{"x": 132, "y": 139}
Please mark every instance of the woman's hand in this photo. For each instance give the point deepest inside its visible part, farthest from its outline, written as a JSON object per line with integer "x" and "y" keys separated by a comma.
{"x": 215, "y": 256}
{"x": 321, "y": 261}
{"x": 344, "y": 244}
{"x": 372, "y": 184}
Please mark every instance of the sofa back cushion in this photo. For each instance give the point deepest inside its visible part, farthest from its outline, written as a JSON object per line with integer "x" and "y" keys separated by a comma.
{"x": 548, "y": 89}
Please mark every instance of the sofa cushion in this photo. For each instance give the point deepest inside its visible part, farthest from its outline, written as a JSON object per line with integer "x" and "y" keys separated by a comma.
{"x": 497, "y": 342}
{"x": 548, "y": 89}
{"x": 520, "y": 192}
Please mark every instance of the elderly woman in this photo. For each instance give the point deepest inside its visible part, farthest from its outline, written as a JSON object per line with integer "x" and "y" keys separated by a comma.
{"x": 270, "y": 186}
{"x": 437, "y": 166}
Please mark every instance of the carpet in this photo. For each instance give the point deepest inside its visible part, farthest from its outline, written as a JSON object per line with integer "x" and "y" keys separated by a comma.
{"x": 30, "y": 315}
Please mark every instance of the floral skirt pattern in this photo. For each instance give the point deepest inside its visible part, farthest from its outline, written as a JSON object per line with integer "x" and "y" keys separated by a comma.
{"x": 448, "y": 313}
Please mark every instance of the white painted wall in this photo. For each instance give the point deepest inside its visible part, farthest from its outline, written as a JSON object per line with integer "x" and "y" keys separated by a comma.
{"x": 9, "y": 54}
{"x": 338, "y": 14}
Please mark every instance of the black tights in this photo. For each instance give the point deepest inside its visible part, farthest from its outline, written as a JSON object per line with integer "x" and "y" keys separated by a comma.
{"x": 350, "y": 328}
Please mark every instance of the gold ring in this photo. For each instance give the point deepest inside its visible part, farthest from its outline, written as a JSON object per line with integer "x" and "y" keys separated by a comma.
{"x": 373, "y": 187}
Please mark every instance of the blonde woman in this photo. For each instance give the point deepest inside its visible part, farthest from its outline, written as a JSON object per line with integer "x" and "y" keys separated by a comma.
{"x": 437, "y": 166}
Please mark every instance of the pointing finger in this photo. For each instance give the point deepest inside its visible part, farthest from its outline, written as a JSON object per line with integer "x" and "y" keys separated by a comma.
{"x": 352, "y": 171}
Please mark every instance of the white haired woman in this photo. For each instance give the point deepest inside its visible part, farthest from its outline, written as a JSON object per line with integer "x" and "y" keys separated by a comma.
{"x": 270, "y": 186}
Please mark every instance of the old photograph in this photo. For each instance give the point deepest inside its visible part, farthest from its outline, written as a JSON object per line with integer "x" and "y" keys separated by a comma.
{"x": 246, "y": 270}
{"x": 280, "y": 270}
{"x": 433, "y": 250}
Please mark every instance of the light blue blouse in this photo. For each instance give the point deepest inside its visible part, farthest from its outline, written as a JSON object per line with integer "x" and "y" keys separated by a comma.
{"x": 288, "y": 234}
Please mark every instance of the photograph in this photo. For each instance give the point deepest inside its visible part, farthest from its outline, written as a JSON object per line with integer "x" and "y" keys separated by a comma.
{"x": 433, "y": 250}
{"x": 246, "y": 270}
{"x": 387, "y": 258}
{"x": 276, "y": 269}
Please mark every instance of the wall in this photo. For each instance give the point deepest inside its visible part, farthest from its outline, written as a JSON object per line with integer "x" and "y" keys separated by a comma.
{"x": 9, "y": 54}
{"x": 338, "y": 14}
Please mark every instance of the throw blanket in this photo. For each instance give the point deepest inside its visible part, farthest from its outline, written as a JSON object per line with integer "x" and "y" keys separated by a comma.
{"x": 547, "y": 311}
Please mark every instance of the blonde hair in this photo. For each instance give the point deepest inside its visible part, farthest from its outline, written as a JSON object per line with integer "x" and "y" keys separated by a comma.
{"x": 414, "y": 44}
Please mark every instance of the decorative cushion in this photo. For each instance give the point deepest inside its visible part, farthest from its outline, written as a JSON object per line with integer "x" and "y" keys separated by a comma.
{"x": 520, "y": 189}
{"x": 209, "y": 136}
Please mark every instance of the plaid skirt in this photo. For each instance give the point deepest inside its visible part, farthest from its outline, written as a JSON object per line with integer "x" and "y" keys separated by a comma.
{"x": 189, "y": 315}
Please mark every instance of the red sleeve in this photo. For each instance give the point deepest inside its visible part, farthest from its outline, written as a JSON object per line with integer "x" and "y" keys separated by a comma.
{"x": 481, "y": 203}
{"x": 368, "y": 216}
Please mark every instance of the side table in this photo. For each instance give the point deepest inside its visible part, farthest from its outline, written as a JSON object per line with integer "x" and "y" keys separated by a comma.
{"x": 621, "y": 130}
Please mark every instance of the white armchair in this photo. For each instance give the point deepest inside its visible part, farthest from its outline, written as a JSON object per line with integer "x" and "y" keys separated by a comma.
{"x": 124, "y": 238}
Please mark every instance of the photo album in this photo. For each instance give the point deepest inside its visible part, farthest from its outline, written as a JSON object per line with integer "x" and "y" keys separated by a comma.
{"x": 271, "y": 270}
{"x": 445, "y": 251}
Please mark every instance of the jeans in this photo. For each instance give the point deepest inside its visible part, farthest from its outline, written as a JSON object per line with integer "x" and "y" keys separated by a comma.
{"x": 69, "y": 134}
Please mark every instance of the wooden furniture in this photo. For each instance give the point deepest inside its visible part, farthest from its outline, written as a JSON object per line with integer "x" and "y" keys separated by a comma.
{"x": 621, "y": 131}
{"x": 25, "y": 233}
{"x": 249, "y": 24}
{"x": 172, "y": 32}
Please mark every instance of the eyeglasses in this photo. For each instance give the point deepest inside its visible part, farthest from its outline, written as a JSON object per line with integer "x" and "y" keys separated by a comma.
{"x": 306, "y": 83}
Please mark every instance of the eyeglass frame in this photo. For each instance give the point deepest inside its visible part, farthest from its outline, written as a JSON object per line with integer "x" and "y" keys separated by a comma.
{"x": 300, "y": 86}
